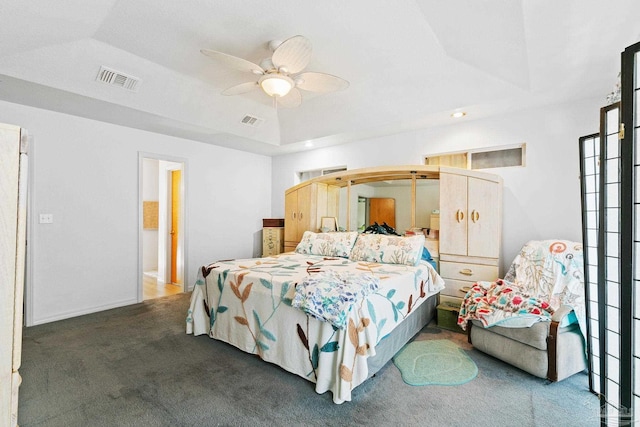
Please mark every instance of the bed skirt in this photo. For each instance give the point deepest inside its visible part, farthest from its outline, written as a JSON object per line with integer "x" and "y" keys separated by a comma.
{"x": 402, "y": 334}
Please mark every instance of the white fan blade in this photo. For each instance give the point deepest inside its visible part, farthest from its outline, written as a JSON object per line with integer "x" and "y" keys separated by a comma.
{"x": 241, "y": 88}
{"x": 291, "y": 100}
{"x": 233, "y": 61}
{"x": 319, "y": 82}
{"x": 293, "y": 54}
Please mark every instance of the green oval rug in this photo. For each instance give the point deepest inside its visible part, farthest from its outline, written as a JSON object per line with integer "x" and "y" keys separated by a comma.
{"x": 434, "y": 362}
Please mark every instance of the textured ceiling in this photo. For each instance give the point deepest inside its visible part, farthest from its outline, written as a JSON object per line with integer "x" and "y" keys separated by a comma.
{"x": 410, "y": 63}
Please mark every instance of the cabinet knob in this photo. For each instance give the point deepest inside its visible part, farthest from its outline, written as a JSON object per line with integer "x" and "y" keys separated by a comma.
{"x": 475, "y": 215}
{"x": 459, "y": 215}
{"x": 300, "y": 216}
{"x": 293, "y": 215}
{"x": 466, "y": 271}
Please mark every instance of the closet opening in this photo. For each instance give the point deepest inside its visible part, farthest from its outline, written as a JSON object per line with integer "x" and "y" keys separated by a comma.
{"x": 162, "y": 239}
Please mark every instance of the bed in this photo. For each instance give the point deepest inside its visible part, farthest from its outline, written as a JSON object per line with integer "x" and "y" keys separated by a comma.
{"x": 258, "y": 305}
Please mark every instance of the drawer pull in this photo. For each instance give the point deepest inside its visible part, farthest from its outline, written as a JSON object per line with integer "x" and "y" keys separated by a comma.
{"x": 465, "y": 289}
{"x": 466, "y": 272}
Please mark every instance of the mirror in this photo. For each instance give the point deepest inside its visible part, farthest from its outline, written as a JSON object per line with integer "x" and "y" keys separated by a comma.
{"x": 427, "y": 200}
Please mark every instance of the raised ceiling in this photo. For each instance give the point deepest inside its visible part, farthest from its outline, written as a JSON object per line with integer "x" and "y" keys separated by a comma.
{"x": 410, "y": 62}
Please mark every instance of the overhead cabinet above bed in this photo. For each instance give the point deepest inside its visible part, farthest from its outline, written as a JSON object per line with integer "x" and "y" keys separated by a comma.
{"x": 470, "y": 207}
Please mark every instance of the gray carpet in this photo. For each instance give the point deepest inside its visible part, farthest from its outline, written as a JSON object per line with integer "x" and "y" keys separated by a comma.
{"x": 135, "y": 366}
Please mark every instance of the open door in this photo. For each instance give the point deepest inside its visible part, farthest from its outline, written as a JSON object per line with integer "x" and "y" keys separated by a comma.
{"x": 176, "y": 179}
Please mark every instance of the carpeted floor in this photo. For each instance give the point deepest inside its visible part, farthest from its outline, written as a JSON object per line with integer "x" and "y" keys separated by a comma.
{"x": 135, "y": 366}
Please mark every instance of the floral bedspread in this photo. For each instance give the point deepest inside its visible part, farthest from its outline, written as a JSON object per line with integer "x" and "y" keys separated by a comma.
{"x": 248, "y": 303}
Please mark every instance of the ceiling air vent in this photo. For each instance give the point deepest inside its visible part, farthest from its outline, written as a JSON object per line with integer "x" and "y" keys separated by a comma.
{"x": 116, "y": 78}
{"x": 252, "y": 121}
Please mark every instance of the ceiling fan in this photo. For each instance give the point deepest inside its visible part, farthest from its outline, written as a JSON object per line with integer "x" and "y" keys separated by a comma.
{"x": 282, "y": 75}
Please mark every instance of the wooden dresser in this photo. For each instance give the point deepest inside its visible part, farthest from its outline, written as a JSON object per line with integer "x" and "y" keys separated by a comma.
{"x": 272, "y": 236}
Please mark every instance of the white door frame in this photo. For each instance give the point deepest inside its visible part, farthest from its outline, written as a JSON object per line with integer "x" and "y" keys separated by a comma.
{"x": 182, "y": 233}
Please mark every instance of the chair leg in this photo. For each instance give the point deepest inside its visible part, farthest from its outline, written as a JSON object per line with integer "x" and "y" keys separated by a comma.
{"x": 552, "y": 352}
{"x": 469, "y": 326}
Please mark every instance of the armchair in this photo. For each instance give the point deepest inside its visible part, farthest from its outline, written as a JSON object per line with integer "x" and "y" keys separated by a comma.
{"x": 535, "y": 318}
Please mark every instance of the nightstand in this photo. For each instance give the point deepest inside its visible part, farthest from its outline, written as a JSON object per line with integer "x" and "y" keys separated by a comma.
{"x": 272, "y": 236}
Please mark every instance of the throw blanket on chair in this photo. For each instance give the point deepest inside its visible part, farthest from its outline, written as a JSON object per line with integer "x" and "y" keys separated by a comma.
{"x": 550, "y": 271}
{"x": 493, "y": 303}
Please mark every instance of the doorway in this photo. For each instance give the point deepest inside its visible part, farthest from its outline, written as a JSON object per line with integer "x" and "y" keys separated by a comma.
{"x": 162, "y": 232}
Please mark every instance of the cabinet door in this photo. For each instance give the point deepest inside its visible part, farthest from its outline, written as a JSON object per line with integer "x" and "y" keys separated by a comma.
{"x": 453, "y": 214}
{"x": 306, "y": 211}
{"x": 484, "y": 218}
{"x": 291, "y": 217}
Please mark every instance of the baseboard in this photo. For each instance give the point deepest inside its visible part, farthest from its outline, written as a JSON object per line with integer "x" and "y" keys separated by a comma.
{"x": 76, "y": 313}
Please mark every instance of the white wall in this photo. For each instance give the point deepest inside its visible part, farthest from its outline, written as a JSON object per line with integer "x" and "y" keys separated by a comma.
{"x": 541, "y": 200}
{"x": 86, "y": 174}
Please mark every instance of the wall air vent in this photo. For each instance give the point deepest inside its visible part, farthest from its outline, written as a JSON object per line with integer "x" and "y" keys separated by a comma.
{"x": 116, "y": 78}
{"x": 252, "y": 121}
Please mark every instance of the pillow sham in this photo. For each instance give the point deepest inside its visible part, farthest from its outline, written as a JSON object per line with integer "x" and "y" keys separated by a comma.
{"x": 336, "y": 244}
{"x": 388, "y": 249}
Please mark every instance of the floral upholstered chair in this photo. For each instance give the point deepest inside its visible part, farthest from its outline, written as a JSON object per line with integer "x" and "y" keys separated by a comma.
{"x": 535, "y": 318}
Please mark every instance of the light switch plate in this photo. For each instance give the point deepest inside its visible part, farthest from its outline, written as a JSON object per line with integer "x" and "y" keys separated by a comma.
{"x": 46, "y": 218}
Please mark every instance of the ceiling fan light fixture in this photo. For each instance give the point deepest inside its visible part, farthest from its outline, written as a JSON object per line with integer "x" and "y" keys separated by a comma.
{"x": 276, "y": 84}
{"x": 281, "y": 75}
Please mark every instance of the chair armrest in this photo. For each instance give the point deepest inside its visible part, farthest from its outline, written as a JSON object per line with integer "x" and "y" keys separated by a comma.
{"x": 552, "y": 341}
{"x": 561, "y": 313}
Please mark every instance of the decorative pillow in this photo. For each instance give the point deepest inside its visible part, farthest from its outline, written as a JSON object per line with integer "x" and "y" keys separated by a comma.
{"x": 328, "y": 244}
{"x": 388, "y": 249}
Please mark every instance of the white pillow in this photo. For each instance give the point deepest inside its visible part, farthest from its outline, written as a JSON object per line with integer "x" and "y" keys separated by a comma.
{"x": 336, "y": 244}
{"x": 387, "y": 249}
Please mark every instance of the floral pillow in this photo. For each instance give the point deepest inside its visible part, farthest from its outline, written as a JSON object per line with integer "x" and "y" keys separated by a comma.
{"x": 388, "y": 249}
{"x": 328, "y": 244}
